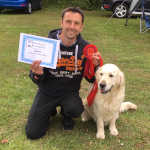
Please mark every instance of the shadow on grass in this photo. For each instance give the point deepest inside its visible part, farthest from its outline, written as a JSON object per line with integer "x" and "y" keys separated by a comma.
{"x": 15, "y": 12}
{"x": 12, "y": 12}
{"x": 87, "y": 128}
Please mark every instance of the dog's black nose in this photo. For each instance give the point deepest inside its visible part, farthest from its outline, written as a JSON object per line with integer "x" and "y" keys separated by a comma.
{"x": 102, "y": 85}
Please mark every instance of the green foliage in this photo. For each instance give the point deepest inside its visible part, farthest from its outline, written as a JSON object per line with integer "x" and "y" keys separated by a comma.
{"x": 84, "y": 4}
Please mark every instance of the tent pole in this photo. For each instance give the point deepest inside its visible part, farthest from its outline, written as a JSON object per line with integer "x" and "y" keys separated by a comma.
{"x": 142, "y": 16}
{"x": 140, "y": 24}
{"x": 126, "y": 23}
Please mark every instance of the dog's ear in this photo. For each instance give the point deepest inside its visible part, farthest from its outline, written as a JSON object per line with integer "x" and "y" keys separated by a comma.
{"x": 97, "y": 72}
{"x": 96, "y": 68}
{"x": 121, "y": 79}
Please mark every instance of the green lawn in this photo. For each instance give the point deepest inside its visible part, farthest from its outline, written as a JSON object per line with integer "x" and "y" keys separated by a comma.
{"x": 123, "y": 46}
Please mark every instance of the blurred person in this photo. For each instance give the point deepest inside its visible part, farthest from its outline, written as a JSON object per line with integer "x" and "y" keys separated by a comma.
{"x": 147, "y": 21}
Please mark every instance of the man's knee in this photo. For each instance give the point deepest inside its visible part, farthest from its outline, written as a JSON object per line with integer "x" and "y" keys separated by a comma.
{"x": 77, "y": 110}
{"x": 36, "y": 128}
{"x": 34, "y": 133}
{"x": 73, "y": 109}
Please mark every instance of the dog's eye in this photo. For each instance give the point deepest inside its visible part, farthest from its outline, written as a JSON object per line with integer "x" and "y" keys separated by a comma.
{"x": 111, "y": 75}
{"x": 101, "y": 74}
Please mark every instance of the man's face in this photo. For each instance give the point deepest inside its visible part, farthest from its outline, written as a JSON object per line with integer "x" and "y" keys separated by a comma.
{"x": 71, "y": 25}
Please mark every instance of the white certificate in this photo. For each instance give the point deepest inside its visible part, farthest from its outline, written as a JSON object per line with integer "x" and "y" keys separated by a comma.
{"x": 33, "y": 48}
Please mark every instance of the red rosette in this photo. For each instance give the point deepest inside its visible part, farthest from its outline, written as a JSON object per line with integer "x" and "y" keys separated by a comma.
{"x": 89, "y": 71}
{"x": 89, "y": 50}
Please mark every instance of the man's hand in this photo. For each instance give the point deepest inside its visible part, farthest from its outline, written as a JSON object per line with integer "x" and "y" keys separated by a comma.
{"x": 95, "y": 58}
{"x": 36, "y": 68}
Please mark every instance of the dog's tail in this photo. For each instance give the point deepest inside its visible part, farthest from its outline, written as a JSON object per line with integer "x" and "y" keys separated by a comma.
{"x": 125, "y": 106}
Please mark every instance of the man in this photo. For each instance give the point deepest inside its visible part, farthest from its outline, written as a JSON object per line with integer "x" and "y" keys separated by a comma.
{"x": 60, "y": 86}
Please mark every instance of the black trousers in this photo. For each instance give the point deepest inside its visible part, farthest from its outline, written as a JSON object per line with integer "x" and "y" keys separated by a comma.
{"x": 44, "y": 106}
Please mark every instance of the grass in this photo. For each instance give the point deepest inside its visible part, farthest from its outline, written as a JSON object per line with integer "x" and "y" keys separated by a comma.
{"x": 123, "y": 46}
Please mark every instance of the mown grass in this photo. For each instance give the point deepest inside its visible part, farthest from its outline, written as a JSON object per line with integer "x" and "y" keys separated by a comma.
{"x": 123, "y": 46}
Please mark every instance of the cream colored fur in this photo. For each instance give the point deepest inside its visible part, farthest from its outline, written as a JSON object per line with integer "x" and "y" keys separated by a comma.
{"x": 108, "y": 102}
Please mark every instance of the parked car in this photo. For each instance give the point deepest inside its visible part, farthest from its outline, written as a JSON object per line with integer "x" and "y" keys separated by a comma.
{"x": 120, "y": 7}
{"x": 27, "y": 5}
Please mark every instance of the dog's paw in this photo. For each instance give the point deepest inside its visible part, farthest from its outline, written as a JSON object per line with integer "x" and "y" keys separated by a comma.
{"x": 100, "y": 136}
{"x": 85, "y": 116}
{"x": 84, "y": 119}
{"x": 134, "y": 107}
{"x": 114, "y": 132}
{"x": 125, "y": 106}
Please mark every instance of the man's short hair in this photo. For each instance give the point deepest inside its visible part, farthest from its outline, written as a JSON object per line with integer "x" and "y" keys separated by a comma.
{"x": 74, "y": 10}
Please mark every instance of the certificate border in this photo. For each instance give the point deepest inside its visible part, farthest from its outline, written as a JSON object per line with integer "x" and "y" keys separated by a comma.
{"x": 24, "y": 38}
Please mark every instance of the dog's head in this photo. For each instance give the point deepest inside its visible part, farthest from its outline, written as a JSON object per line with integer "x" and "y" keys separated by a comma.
{"x": 109, "y": 76}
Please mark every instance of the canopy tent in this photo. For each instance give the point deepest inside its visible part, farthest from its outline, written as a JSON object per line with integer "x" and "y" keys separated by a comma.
{"x": 144, "y": 9}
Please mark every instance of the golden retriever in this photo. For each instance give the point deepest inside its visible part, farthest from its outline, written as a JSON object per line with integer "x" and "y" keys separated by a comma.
{"x": 108, "y": 102}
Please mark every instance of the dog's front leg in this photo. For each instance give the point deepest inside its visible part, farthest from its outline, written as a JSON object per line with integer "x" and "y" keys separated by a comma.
{"x": 112, "y": 127}
{"x": 100, "y": 129}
